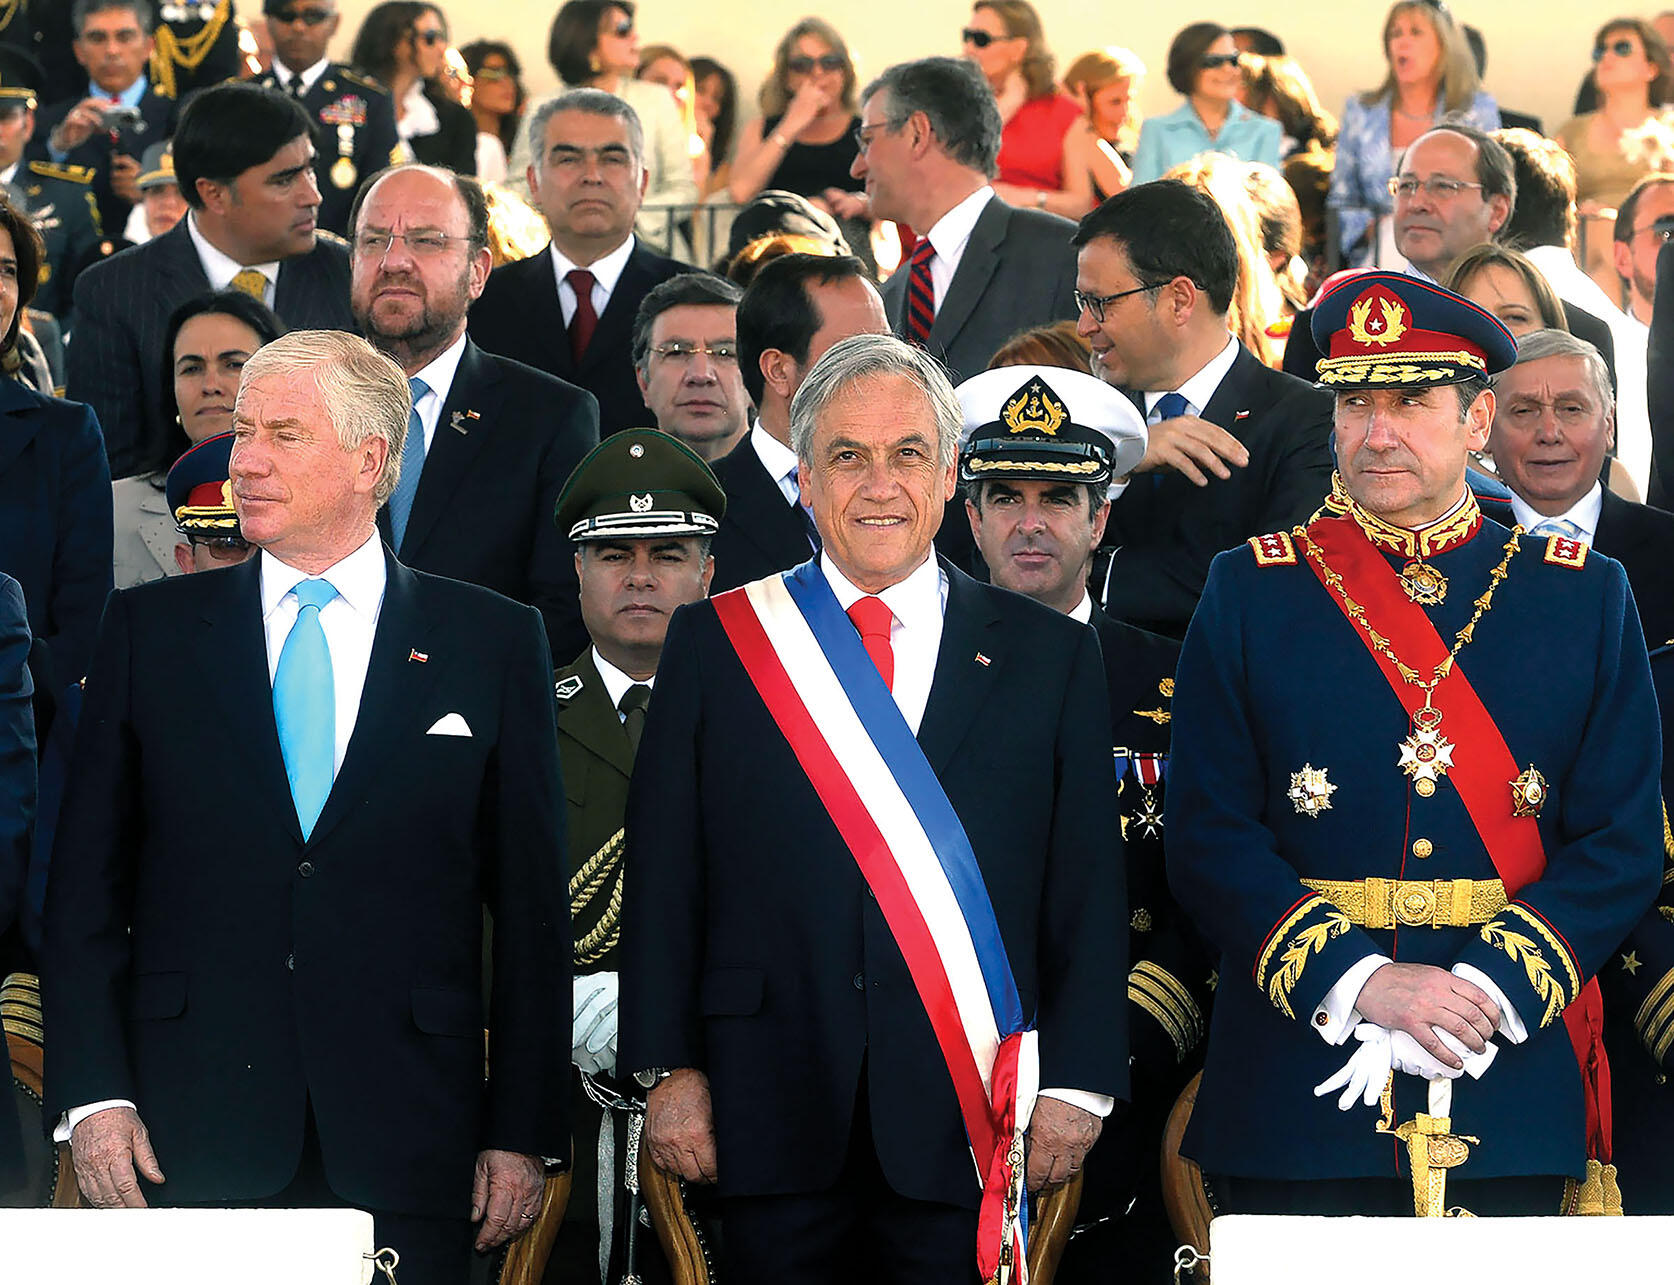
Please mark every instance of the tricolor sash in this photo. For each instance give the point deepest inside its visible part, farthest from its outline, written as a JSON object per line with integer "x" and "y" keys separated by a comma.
{"x": 1485, "y": 766}
{"x": 807, "y": 663}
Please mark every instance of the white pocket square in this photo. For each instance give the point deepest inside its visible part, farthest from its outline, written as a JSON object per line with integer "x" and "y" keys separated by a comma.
{"x": 449, "y": 725}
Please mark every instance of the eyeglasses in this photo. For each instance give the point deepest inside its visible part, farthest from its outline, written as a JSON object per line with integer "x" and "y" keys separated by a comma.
{"x": 802, "y": 65}
{"x": 435, "y": 36}
{"x": 624, "y": 28}
{"x": 1621, "y": 48}
{"x": 223, "y": 548}
{"x": 1095, "y": 304}
{"x": 422, "y": 245}
{"x": 1435, "y": 187}
{"x": 682, "y": 352}
{"x": 1209, "y": 62}
{"x": 864, "y": 134}
{"x": 979, "y": 39}
{"x": 307, "y": 17}
{"x": 1656, "y": 229}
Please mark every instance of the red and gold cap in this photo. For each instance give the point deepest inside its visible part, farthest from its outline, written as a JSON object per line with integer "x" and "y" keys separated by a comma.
{"x": 1390, "y": 330}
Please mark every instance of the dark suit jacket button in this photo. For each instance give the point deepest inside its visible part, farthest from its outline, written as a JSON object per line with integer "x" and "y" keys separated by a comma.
{"x": 290, "y": 963}
{"x": 305, "y": 869}
{"x": 860, "y": 981}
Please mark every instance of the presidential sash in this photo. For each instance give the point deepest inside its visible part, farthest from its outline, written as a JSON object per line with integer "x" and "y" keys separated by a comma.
{"x": 806, "y": 661}
{"x": 1481, "y": 775}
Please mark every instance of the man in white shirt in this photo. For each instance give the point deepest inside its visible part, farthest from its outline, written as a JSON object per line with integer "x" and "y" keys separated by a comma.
{"x": 304, "y": 1026}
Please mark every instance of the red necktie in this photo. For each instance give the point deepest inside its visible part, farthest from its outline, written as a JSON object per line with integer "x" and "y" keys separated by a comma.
{"x": 921, "y": 294}
{"x": 585, "y": 320}
{"x": 872, "y": 617}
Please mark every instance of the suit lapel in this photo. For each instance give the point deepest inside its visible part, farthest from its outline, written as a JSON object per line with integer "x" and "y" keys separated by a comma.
{"x": 614, "y": 332}
{"x": 21, "y": 426}
{"x": 469, "y": 417}
{"x": 591, "y": 719}
{"x": 960, "y": 687}
{"x": 394, "y": 686}
{"x": 976, "y": 268}
{"x": 178, "y": 269}
{"x": 1234, "y": 394}
{"x": 757, "y": 506}
{"x": 235, "y": 667}
{"x": 536, "y": 289}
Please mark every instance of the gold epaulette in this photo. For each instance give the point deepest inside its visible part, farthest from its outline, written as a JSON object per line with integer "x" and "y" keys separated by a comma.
{"x": 1561, "y": 551}
{"x": 1655, "y": 1019}
{"x": 1274, "y": 550}
{"x": 324, "y": 235}
{"x": 69, "y": 173}
{"x": 361, "y": 78}
{"x": 1165, "y": 997}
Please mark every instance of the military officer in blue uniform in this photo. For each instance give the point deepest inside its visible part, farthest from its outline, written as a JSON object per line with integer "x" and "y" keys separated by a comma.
{"x": 1041, "y": 448}
{"x": 354, "y": 117}
{"x": 642, "y": 509}
{"x": 1404, "y": 732}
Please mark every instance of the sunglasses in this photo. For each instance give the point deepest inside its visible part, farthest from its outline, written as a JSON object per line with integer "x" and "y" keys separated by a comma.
{"x": 801, "y": 65}
{"x": 624, "y": 27}
{"x": 307, "y": 17}
{"x": 223, "y": 548}
{"x": 432, "y": 37}
{"x": 981, "y": 39}
{"x": 1621, "y": 48}
{"x": 493, "y": 73}
{"x": 1209, "y": 62}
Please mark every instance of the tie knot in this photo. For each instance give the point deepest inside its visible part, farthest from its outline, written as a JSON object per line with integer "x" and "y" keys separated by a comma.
{"x": 923, "y": 252}
{"x": 872, "y": 617}
{"x": 581, "y": 281}
{"x": 636, "y": 697}
{"x": 419, "y": 388}
{"x": 1171, "y": 406}
{"x": 1560, "y": 526}
{"x": 314, "y": 593}
{"x": 251, "y": 282}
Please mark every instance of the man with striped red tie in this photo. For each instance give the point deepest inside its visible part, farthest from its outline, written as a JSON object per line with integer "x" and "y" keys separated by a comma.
{"x": 880, "y": 947}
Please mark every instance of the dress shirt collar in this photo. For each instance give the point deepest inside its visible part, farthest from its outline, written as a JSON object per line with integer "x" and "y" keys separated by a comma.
{"x": 950, "y": 232}
{"x": 308, "y": 77}
{"x": 418, "y": 114}
{"x": 919, "y": 599}
{"x": 1185, "y": 117}
{"x": 1199, "y": 388}
{"x": 1083, "y": 610}
{"x": 129, "y": 97}
{"x": 1584, "y": 512}
{"x": 221, "y": 268}
{"x": 617, "y": 681}
{"x": 606, "y": 271}
{"x": 358, "y": 578}
{"x": 438, "y": 376}
{"x": 10, "y": 173}
{"x": 777, "y": 458}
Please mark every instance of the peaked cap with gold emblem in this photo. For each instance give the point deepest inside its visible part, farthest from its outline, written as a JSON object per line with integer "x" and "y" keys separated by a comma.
{"x": 1047, "y": 424}
{"x": 20, "y": 78}
{"x": 198, "y": 492}
{"x": 640, "y": 484}
{"x": 1389, "y": 330}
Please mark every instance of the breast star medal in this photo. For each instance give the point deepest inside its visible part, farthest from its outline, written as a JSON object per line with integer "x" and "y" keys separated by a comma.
{"x": 1150, "y": 818}
{"x": 1426, "y": 755}
{"x": 1528, "y": 792}
{"x": 1423, "y": 584}
{"x": 1310, "y": 793}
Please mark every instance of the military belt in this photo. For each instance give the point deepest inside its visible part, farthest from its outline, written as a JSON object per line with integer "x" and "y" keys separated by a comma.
{"x": 1413, "y": 903}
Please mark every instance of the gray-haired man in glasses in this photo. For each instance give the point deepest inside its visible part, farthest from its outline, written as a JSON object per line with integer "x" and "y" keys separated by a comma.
{"x": 490, "y": 441}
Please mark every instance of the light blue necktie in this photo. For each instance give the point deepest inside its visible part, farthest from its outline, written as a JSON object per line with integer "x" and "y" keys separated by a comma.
{"x": 412, "y": 464}
{"x": 1560, "y": 526}
{"x": 305, "y": 705}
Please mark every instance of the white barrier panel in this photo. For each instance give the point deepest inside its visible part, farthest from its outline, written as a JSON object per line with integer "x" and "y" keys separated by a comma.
{"x": 188, "y": 1246}
{"x": 1248, "y": 1250}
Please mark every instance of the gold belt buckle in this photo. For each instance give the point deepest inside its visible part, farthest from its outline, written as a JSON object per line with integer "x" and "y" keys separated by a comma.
{"x": 1415, "y": 904}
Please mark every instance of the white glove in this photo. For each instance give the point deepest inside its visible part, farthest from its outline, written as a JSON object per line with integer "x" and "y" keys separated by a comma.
{"x": 1365, "y": 1073}
{"x": 593, "y": 1034}
{"x": 1409, "y": 1056}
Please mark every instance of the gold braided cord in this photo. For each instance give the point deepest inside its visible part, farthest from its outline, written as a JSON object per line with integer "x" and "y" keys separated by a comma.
{"x": 8, "y": 11}
{"x": 584, "y": 887}
{"x": 1357, "y": 613}
{"x": 602, "y": 939}
{"x": 171, "y": 51}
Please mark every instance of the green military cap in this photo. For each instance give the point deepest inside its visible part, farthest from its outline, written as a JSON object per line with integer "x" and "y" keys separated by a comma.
{"x": 637, "y": 485}
{"x": 20, "y": 78}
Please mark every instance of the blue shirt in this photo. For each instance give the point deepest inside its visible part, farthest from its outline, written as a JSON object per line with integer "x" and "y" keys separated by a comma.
{"x": 1167, "y": 141}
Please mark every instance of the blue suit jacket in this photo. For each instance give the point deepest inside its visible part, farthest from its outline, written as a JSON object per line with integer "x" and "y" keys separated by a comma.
{"x": 17, "y": 806}
{"x": 1273, "y": 676}
{"x": 753, "y": 951}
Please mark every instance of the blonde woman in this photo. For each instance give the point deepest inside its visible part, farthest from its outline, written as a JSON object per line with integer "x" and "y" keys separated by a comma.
{"x": 1100, "y": 142}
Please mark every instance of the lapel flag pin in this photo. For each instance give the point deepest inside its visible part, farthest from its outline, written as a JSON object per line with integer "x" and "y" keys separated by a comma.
{"x": 415, "y": 654}
{"x": 458, "y": 420}
{"x": 1243, "y": 414}
{"x": 983, "y": 660}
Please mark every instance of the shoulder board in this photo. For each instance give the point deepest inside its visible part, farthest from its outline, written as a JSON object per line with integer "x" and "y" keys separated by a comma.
{"x": 323, "y": 235}
{"x": 69, "y": 173}
{"x": 1274, "y": 550}
{"x": 1564, "y": 552}
{"x": 360, "y": 78}
{"x": 566, "y": 689}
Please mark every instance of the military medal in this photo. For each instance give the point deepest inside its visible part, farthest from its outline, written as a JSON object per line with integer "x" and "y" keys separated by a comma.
{"x": 1423, "y": 584}
{"x": 1148, "y": 771}
{"x": 1528, "y": 792}
{"x": 344, "y": 173}
{"x": 1426, "y": 754}
{"x": 1310, "y": 793}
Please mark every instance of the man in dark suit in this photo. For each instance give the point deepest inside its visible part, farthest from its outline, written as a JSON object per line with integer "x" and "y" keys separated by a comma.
{"x": 490, "y": 441}
{"x": 766, "y": 1001}
{"x": 108, "y": 128}
{"x": 304, "y": 1026}
{"x": 930, "y": 136}
{"x": 18, "y": 783}
{"x": 244, "y": 157}
{"x": 797, "y": 307}
{"x": 570, "y": 309}
{"x": 353, "y": 115}
{"x": 1235, "y": 448}
{"x": 1553, "y": 424}
{"x": 1037, "y": 499}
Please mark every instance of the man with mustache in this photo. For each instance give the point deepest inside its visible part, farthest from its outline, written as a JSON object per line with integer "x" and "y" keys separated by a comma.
{"x": 490, "y": 441}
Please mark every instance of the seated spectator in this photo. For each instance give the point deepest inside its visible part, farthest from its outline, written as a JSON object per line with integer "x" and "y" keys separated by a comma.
{"x": 200, "y": 502}
{"x": 744, "y": 266}
{"x": 1281, "y": 235}
{"x": 161, "y": 204}
{"x": 403, "y": 43}
{"x": 1611, "y": 145}
{"x": 1431, "y": 75}
{"x": 685, "y": 352}
{"x": 1637, "y": 240}
{"x": 207, "y": 342}
{"x": 1005, "y": 39}
{"x": 1203, "y": 69}
{"x": 241, "y": 154}
{"x": 715, "y": 106}
{"x": 593, "y": 45}
{"x": 1100, "y": 142}
{"x": 106, "y": 126}
{"x": 666, "y": 66}
{"x": 496, "y": 103}
{"x": 55, "y": 519}
{"x": 1059, "y": 344}
{"x": 1258, "y": 41}
{"x": 570, "y": 311}
{"x": 1279, "y": 89}
{"x": 1505, "y": 283}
